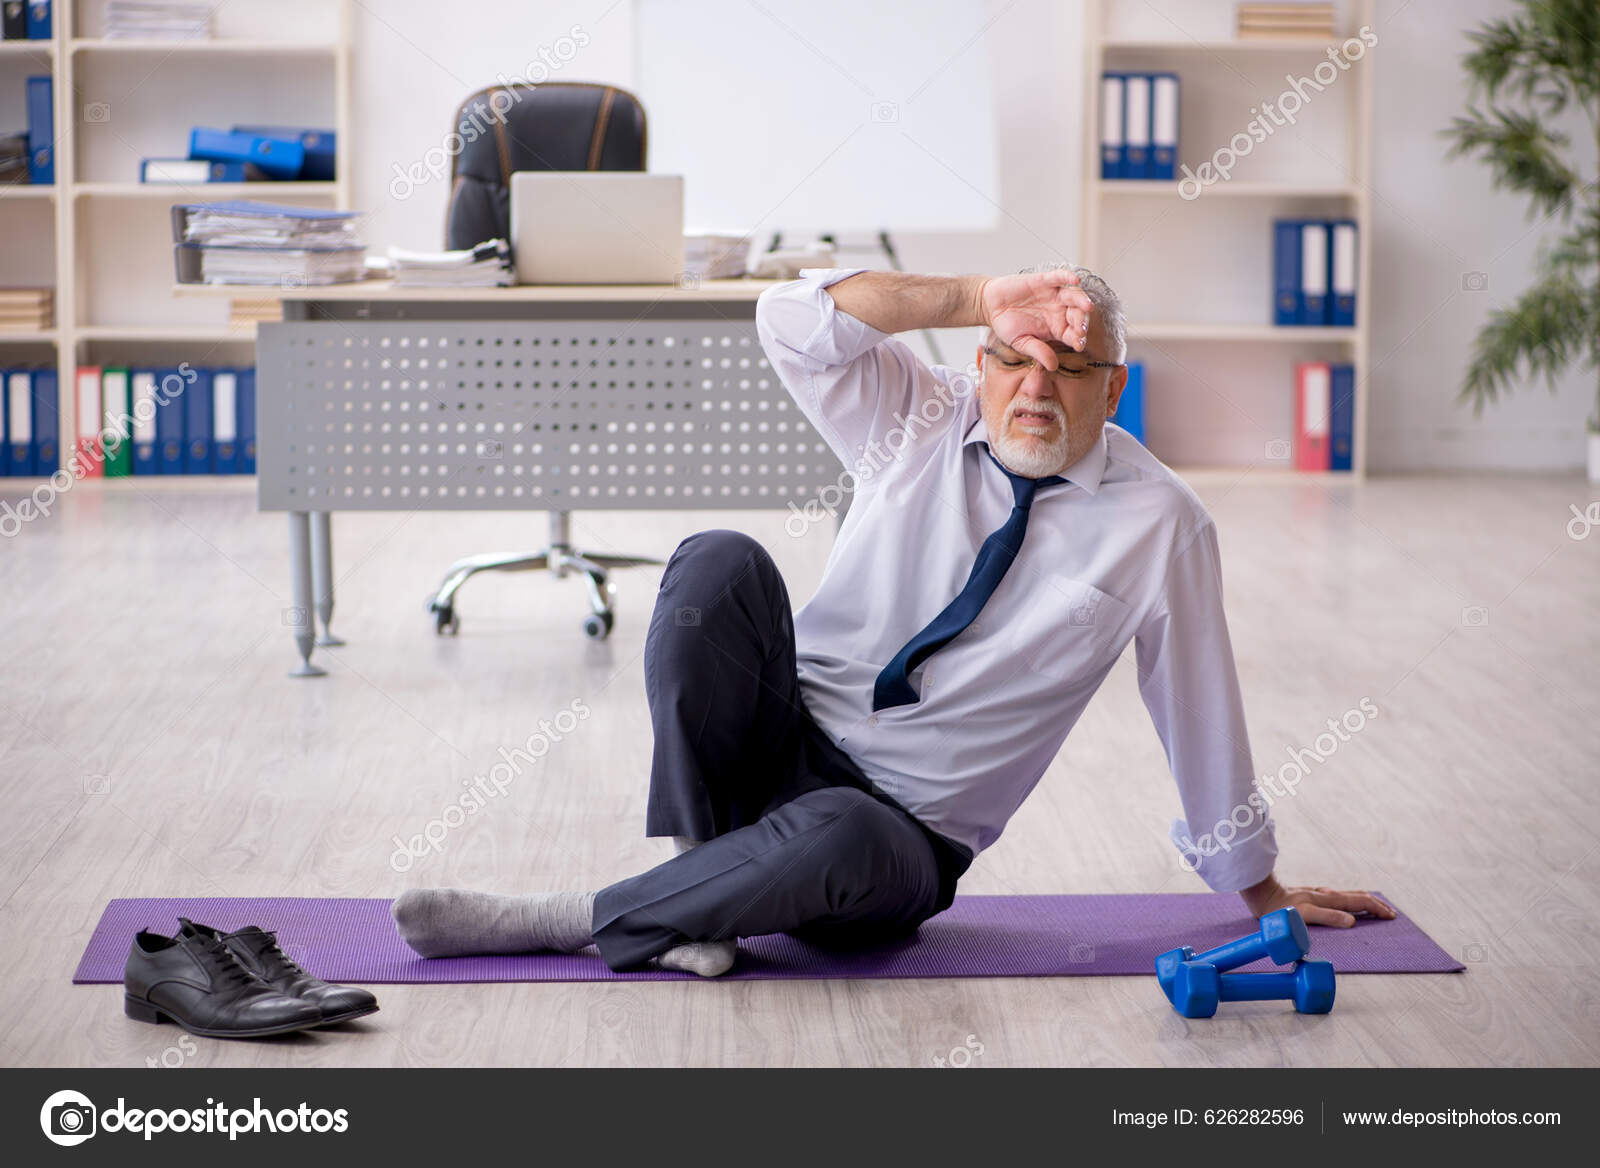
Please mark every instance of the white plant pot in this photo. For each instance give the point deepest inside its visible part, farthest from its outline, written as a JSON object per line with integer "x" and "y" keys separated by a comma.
{"x": 1594, "y": 456}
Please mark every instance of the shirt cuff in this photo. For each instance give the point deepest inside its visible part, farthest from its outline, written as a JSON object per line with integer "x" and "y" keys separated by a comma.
{"x": 838, "y": 337}
{"x": 1227, "y": 865}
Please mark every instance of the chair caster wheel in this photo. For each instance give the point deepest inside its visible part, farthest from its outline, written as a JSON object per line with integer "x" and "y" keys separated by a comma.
{"x": 597, "y": 626}
{"x": 445, "y": 619}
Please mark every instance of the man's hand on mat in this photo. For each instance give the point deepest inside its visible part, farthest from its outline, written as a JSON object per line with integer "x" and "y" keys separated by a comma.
{"x": 1319, "y": 906}
{"x": 1033, "y": 312}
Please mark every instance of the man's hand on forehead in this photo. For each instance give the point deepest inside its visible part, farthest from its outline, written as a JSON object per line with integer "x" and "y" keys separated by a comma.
{"x": 1038, "y": 314}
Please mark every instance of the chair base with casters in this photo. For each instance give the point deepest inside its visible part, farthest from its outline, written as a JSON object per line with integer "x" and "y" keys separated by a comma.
{"x": 560, "y": 557}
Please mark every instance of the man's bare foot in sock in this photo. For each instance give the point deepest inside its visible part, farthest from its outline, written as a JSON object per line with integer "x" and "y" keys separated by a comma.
{"x": 456, "y": 922}
{"x": 707, "y": 958}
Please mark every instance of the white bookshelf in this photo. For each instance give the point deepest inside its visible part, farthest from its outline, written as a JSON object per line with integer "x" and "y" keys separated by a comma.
{"x": 112, "y": 232}
{"x": 254, "y": 48}
{"x": 1219, "y": 375}
{"x": 164, "y": 191}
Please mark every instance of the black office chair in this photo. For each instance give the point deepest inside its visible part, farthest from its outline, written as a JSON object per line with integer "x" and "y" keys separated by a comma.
{"x": 569, "y": 125}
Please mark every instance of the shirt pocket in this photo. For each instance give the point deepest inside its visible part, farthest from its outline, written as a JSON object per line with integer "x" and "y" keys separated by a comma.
{"x": 1085, "y": 631}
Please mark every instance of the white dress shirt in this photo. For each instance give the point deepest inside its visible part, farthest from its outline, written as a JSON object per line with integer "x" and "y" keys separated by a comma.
{"x": 1122, "y": 551}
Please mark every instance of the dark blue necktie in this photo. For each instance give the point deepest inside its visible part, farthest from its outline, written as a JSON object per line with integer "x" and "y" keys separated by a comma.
{"x": 994, "y": 559}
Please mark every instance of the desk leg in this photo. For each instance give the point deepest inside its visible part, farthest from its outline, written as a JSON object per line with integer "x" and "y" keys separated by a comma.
{"x": 300, "y": 617}
{"x": 322, "y": 574}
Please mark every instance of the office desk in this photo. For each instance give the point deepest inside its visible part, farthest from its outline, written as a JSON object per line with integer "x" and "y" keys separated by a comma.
{"x": 372, "y": 398}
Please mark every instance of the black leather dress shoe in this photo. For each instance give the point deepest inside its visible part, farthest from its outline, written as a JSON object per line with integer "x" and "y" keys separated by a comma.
{"x": 257, "y": 950}
{"x": 197, "y": 982}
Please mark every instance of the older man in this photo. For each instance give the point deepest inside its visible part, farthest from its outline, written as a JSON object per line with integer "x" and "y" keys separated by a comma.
{"x": 834, "y": 772}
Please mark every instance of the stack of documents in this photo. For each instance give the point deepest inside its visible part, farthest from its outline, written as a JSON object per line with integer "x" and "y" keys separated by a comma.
{"x": 144, "y": 20}
{"x": 1286, "y": 20}
{"x": 246, "y": 224}
{"x": 27, "y": 309}
{"x": 263, "y": 243}
{"x": 715, "y": 257}
{"x": 486, "y": 266}
{"x": 283, "y": 267}
{"x": 246, "y": 314}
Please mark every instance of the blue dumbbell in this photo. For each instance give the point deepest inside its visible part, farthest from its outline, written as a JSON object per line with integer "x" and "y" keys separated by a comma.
{"x": 1198, "y": 988}
{"x": 1281, "y": 937}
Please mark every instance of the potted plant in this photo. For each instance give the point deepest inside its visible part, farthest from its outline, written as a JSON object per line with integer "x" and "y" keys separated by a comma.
{"x": 1525, "y": 71}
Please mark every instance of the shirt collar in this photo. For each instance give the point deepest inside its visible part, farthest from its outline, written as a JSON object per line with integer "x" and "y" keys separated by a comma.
{"x": 1086, "y": 472}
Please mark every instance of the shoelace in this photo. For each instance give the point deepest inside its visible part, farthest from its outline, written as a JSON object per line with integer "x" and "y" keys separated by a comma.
{"x": 223, "y": 961}
{"x": 270, "y": 953}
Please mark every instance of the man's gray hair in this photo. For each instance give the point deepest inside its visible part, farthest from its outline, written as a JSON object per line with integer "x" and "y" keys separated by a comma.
{"x": 1107, "y": 305}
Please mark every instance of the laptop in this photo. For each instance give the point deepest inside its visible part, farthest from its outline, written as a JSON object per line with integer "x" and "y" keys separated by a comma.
{"x": 596, "y": 227}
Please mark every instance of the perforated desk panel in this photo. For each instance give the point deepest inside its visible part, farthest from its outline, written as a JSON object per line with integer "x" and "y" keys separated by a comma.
{"x": 380, "y": 415}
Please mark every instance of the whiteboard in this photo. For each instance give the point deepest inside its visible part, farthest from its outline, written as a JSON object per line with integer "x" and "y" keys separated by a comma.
{"x": 815, "y": 115}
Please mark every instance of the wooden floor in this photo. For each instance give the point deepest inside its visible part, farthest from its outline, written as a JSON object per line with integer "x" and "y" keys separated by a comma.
{"x": 150, "y": 744}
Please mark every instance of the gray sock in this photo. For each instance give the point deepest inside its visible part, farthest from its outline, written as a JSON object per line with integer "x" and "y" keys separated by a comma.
{"x": 454, "y": 922}
{"x": 707, "y": 958}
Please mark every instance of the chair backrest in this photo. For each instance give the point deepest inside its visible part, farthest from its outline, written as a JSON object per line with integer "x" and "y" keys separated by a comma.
{"x": 562, "y": 125}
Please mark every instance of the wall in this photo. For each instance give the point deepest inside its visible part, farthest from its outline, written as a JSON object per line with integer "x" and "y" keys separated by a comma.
{"x": 1434, "y": 221}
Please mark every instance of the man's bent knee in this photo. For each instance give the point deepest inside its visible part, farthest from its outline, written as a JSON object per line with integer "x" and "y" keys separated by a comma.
{"x": 720, "y": 546}
{"x": 708, "y": 563}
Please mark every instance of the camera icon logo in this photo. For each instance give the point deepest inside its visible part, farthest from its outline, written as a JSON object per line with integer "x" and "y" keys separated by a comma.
{"x": 1083, "y": 615}
{"x": 98, "y": 112}
{"x": 294, "y": 617}
{"x": 1474, "y": 281}
{"x": 688, "y": 281}
{"x": 1475, "y": 616}
{"x": 68, "y": 1118}
{"x": 687, "y": 617}
{"x": 1277, "y": 450}
{"x": 883, "y": 112}
{"x": 490, "y": 448}
{"x": 1473, "y": 954}
{"x": 96, "y": 785}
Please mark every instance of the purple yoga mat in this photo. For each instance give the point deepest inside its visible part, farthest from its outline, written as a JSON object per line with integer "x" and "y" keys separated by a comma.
{"x": 354, "y": 940}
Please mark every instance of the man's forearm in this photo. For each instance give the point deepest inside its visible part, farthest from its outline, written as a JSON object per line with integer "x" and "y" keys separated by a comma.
{"x": 897, "y": 302}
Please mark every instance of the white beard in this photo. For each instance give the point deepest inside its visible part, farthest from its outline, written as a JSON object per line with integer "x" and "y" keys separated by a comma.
{"x": 1033, "y": 458}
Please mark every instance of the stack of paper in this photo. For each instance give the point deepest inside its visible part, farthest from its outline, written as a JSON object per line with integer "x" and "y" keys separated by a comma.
{"x": 245, "y": 224}
{"x": 246, "y": 314}
{"x": 715, "y": 257}
{"x": 27, "y": 309}
{"x": 486, "y": 266}
{"x": 284, "y": 267}
{"x": 1286, "y": 20}
{"x": 263, "y": 243}
{"x": 144, "y": 20}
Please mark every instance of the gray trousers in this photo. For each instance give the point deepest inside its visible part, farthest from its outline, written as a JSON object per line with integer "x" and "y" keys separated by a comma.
{"x": 797, "y": 840}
